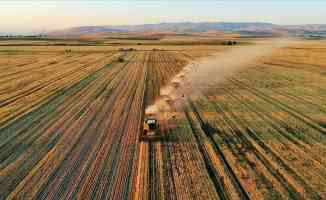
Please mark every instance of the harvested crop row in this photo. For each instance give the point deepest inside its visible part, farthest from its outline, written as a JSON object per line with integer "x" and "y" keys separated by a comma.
{"x": 187, "y": 167}
{"x": 69, "y": 112}
{"x": 39, "y": 91}
{"x": 249, "y": 117}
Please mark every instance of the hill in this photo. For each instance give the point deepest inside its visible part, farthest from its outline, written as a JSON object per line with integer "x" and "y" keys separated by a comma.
{"x": 248, "y": 28}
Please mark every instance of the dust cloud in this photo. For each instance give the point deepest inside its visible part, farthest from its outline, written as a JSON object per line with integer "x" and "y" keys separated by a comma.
{"x": 206, "y": 72}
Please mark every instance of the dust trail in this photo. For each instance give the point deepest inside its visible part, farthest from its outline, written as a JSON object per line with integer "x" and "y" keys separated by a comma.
{"x": 199, "y": 76}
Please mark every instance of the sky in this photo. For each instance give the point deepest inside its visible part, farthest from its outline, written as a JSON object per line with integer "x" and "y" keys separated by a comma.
{"x": 46, "y": 15}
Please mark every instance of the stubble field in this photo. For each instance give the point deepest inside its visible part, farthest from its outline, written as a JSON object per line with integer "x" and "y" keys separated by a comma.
{"x": 70, "y": 122}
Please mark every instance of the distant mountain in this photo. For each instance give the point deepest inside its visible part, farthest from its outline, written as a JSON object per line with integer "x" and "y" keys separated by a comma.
{"x": 308, "y": 29}
{"x": 85, "y": 30}
{"x": 196, "y": 27}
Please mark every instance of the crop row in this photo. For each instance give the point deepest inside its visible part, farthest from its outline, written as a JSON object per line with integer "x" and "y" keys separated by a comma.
{"x": 246, "y": 138}
{"x": 74, "y": 125}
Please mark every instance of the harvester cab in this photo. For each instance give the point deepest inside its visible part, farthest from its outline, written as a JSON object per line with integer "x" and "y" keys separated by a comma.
{"x": 151, "y": 123}
{"x": 150, "y": 130}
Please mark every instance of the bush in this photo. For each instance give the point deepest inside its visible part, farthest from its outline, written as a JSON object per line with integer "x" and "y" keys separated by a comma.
{"x": 121, "y": 59}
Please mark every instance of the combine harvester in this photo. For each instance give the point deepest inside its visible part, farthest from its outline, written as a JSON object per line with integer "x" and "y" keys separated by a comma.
{"x": 150, "y": 131}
